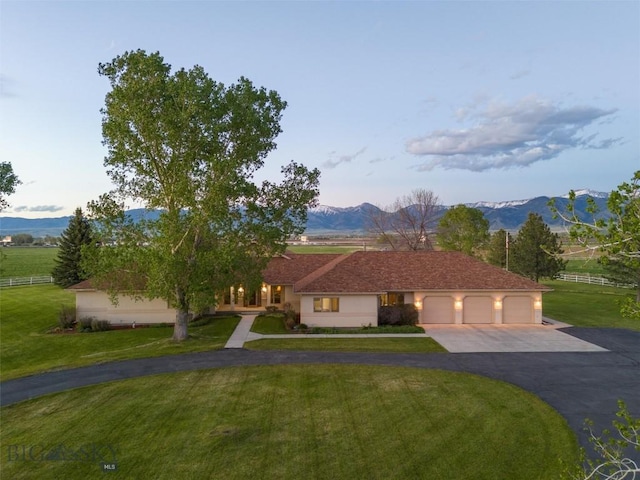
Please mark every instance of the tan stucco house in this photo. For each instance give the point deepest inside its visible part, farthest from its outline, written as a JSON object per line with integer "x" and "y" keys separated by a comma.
{"x": 346, "y": 290}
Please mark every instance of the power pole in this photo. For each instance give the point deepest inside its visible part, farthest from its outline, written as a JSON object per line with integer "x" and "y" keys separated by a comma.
{"x": 506, "y": 241}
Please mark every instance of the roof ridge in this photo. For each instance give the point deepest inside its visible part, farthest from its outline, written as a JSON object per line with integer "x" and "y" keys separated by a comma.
{"x": 319, "y": 272}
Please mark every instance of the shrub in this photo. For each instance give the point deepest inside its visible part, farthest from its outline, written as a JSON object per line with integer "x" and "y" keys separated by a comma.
{"x": 389, "y": 315}
{"x": 410, "y": 314}
{"x": 406, "y": 314}
{"x": 67, "y": 317}
{"x": 291, "y": 318}
{"x": 99, "y": 325}
{"x": 271, "y": 308}
{"x": 85, "y": 323}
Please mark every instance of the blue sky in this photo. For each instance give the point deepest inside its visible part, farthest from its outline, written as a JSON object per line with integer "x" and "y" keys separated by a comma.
{"x": 476, "y": 101}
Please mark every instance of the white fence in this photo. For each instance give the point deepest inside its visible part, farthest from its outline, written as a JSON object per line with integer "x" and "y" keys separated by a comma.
{"x": 576, "y": 278}
{"x": 16, "y": 282}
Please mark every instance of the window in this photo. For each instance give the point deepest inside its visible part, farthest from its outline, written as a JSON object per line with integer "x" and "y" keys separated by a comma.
{"x": 391, "y": 299}
{"x": 276, "y": 294}
{"x": 326, "y": 304}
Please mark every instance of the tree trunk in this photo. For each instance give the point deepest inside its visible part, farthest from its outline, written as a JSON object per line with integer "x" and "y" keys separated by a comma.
{"x": 180, "y": 332}
{"x": 183, "y": 316}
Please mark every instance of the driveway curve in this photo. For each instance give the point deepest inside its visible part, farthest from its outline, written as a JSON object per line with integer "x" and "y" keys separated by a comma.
{"x": 578, "y": 385}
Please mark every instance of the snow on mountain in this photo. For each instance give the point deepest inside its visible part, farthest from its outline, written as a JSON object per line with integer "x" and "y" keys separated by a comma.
{"x": 328, "y": 210}
{"x": 516, "y": 203}
{"x": 585, "y": 191}
{"x": 506, "y": 204}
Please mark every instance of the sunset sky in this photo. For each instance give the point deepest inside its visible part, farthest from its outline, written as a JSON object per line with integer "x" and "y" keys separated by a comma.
{"x": 476, "y": 101}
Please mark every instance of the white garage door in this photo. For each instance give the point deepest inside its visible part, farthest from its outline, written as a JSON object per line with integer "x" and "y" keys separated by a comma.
{"x": 477, "y": 310}
{"x": 437, "y": 310}
{"x": 517, "y": 309}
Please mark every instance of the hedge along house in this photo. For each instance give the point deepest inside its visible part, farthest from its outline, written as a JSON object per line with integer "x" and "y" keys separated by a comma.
{"x": 347, "y": 290}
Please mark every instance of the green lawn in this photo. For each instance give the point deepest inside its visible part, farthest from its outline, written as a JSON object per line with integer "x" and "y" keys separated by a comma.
{"x": 585, "y": 305}
{"x": 274, "y": 324}
{"x": 269, "y": 324}
{"x": 27, "y": 261}
{"x": 291, "y": 422}
{"x": 27, "y": 313}
{"x": 378, "y": 345}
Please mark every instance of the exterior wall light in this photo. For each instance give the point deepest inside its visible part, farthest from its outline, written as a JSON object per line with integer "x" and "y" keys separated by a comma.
{"x": 418, "y": 304}
{"x": 497, "y": 304}
{"x": 458, "y": 305}
{"x": 264, "y": 288}
{"x": 240, "y": 291}
{"x": 537, "y": 304}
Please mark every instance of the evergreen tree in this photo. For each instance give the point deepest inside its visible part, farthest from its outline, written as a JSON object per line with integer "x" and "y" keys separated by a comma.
{"x": 68, "y": 270}
{"x": 535, "y": 250}
{"x": 498, "y": 248}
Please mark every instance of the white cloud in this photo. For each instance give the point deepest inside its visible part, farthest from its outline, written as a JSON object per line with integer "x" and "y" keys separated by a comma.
{"x": 333, "y": 163}
{"x": 38, "y": 208}
{"x": 509, "y": 135}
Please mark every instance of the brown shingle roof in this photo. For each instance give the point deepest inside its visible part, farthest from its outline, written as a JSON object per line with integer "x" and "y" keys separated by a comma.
{"x": 369, "y": 272}
{"x": 292, "y": 267}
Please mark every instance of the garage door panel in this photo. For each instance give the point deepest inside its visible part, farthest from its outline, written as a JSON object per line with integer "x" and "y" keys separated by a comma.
{"x": 517, "y": 309}
{"x": 437, "y": 309}
{"x": 478, "y": 310}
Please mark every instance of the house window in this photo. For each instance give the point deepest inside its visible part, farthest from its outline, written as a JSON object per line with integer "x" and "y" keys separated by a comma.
{"x": 277, "y": 293}
{"x": 326, "y": 304}
{"x": 391, "y": 299}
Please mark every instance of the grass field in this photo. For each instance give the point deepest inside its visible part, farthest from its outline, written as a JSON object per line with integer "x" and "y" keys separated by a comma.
{"x": 375, "y": 345}
{"x": 584, "y": 266}
{"x": 27, "y": 313}
{"x": 324, "y": 248}
{"x": 585, "y": 305}
{"x": 37, "y": 261}
{"x": 27, "y": 261}
{"x": 315, "y": 422}
{"x": 274, "y": 324}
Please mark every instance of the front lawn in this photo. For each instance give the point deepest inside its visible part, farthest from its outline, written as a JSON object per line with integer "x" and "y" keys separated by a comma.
{"x": 374, "y": 345}
{"x": 28, "y": 313}
{"x": 269, "y": 324}
{"x": 585, "y": 305}
{"x": 290, "y": 422}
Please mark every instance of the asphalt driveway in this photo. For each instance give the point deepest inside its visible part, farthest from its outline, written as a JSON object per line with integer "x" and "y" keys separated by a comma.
{"x": 579, "y": 385}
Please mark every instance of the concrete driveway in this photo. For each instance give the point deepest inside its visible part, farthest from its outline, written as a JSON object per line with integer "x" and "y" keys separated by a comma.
{"x": 508, "y": 338}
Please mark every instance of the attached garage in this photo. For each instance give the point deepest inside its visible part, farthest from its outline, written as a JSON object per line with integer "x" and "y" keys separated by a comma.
{"x": 517, "y": 309}
{"x": 477, "y": 310}
{"x": 437, "y": 309}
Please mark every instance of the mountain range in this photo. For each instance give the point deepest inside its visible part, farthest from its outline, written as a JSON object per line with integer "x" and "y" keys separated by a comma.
{"x": 326, "y": 220}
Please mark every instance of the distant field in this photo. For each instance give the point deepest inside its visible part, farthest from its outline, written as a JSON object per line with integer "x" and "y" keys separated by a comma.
{"x": 584, "y": 266}
{"x": 38, "y": 261}
{"x": 27, "y": 261}
{"x": 321, "y": 248}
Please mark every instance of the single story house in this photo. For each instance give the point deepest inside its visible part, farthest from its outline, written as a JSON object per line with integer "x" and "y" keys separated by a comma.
{"x": 336, "y": 290}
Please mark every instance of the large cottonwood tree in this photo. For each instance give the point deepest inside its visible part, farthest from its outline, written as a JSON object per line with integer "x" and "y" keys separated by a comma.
{"x": 8, "y": 183}
{"x": 186, "y": 146}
